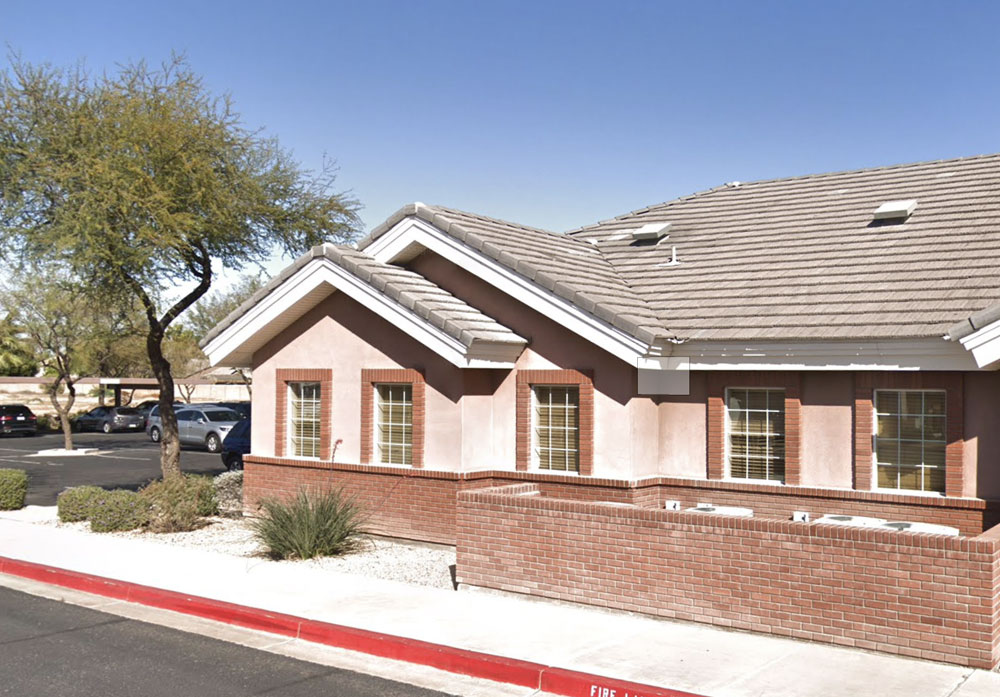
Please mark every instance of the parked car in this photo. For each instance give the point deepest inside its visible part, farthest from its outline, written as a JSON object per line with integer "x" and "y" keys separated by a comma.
{"x": 17, "y": 418}
{"x": 108, "y": 419}
{"x": 144, "y": 408}
{"x": 241, "y": 408}
{"x": 154, "y": 429}
{"x": 236, "y": 445}
{"x": 206, "y": 426}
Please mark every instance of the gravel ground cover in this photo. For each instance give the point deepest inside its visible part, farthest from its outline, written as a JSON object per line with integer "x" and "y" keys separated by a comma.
{"x": 394, "y": 560}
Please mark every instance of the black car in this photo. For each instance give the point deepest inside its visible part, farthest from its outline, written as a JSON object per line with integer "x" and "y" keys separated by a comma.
{"x": 108, "y": 419}
{"x": 236, "y": 445}
{"x": 17, "y": 418}
{"x": 241, "y": 408}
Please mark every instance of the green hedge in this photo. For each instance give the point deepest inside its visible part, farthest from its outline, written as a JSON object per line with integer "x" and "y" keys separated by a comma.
{"x": 74, "y": 504}
{"x": 13, "y": 489}
{"x": 178, "y": 504}
{"x": 118, "y": 510}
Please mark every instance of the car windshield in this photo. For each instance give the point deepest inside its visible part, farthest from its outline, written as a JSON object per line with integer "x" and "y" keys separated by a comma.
{"x": 222, "y": 415}
{"x": 127, "y": 411}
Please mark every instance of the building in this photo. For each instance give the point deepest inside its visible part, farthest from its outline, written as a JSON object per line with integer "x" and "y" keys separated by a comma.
{"x": 785, "y": 349}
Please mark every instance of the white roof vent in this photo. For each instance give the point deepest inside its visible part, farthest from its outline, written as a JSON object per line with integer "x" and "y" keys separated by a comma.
{"x": 722, "y": 510}
{"x": 907, "y": 526}
{"x": 651, "y": 231}
{"x": 895, "y": 210}
{"x": 857, "y": 521}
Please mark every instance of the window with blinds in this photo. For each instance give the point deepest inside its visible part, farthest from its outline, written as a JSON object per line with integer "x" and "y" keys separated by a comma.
{"x": 910, "y": 439}
{"x": 395, "y": 424}
{"x": 756, "y": 423}
{"x": 557, "y": 427}
{"x": 304, "y": 418}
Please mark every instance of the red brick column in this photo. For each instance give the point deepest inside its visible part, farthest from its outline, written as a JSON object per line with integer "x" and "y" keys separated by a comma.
{"x": 864, "y": 422}
{"x": 527, "y": 378}
{"x": 790, "y": 383}
{"x": 283, "y": 376}
{"x": 370, "y": 378}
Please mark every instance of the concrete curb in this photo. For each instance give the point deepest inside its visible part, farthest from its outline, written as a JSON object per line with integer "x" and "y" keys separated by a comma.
{"x": 559, "y": 681}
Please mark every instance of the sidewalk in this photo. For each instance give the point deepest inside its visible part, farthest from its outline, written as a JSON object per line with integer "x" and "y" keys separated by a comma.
{"x": 576, "y": 650}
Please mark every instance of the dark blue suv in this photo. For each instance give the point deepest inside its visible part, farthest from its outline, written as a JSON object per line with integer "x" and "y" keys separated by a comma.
{"x": 236, "y": 445}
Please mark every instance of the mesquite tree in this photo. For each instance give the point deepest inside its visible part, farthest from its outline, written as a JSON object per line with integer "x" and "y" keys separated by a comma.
{"x": 139, "y": 180}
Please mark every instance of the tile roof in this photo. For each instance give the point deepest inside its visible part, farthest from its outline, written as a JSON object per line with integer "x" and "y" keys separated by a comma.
{"x": 571, "y": 268}
{"x": 801, "y": 258}
{"x": 411, "y": 290}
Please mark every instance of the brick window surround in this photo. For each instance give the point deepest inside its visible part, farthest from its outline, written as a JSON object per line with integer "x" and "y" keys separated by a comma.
{"x": 790, "y": 383}
{"x": 865, "y": 385}
{"x": 405, "y": 376}
{"x": 525, "y": 380}
{"x": 283, "y": 376}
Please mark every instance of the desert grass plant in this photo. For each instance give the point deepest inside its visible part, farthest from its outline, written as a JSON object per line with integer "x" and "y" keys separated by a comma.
{"x": 229, "y": 492}
{"x": 179, "y": 504}
{"x": 118, "y": 510}
{"x": 13, "y": 489}
{"x": 74, "y": 504}
{"x": 312, "y": 524}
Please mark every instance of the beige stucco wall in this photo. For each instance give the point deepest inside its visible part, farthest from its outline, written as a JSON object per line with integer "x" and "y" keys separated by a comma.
{"x": 471, "y": 413}
{"x": 827, "y": 429}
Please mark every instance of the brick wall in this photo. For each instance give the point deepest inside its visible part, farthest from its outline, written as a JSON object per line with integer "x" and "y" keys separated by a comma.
{"x": 925, "y": 596}
{"x": 419, "y": 504}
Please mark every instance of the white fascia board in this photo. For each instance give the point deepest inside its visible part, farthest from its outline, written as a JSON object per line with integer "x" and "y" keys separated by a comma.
{"x": 888, "y": 354}
{"x": 984, "y": 344}
{"x": 323, "y": 271}
{"x": 408, "y": 237}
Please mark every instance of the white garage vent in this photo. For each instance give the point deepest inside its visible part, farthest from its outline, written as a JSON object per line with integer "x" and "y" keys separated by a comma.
{"x": 857, "y": 521}
{"x": 909, "y": 526}
{"x": 722, "y": 510}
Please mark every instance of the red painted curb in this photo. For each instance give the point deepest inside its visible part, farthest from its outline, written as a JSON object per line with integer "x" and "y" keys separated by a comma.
{"x": 454, "y": 660}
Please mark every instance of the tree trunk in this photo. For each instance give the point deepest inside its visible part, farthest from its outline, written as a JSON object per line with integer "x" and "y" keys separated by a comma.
{"x": 170, "y": 444}
{"x": 63, "y": 410}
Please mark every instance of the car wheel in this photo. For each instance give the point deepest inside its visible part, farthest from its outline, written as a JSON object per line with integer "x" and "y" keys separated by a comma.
{"x": 232, "y": 461}
{"x": 212, "y": 443}
{"x": 106, "y": 427}
{"x": 154, "y": 434}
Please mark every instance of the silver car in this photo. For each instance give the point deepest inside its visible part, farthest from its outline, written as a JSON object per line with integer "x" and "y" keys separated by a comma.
{"x": 205, "y": 426}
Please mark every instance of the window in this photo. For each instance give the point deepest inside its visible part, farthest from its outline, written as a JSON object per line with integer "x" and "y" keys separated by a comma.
{"x": 556, "y": 427}
{"x": 910, "y": 439}
{"x": 395, "y": 424}
{"x": 756, "y": 433}
{"x": 304, "y": 419}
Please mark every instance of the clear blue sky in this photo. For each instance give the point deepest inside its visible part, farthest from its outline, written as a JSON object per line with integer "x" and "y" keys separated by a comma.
{"x": 558, "y": 114}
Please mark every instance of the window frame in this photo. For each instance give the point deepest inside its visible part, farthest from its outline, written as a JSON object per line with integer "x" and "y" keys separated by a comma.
{"x": 317, "y": 407}
{"x": 524, "y": 380}
{"x": 536, "y": 459}
{"x": 282, "y": 413}
{"x": 943, "y": 467}
{"x": 379, "y": 404}
{"x": 727, "y": 431}
{"x": 370, "y": 378}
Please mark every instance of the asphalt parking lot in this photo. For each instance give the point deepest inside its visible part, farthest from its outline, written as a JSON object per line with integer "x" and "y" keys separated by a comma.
{"x": 125, "y": 461}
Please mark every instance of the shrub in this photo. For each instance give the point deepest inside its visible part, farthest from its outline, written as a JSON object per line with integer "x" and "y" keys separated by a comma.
{"x": 13, "y": 489}
{"x": 74, "y": 504}
{"x": 229, "y": 492}
{"x": 47, "y": 422}
{"x": 118, "y": 510}
{"x": 310, "y": 525}
{"x": 178, "y": 504}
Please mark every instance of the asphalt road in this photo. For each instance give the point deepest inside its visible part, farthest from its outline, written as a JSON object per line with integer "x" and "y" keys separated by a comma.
{"x": 52, "y": 648}
{"x": 126, "y": 461}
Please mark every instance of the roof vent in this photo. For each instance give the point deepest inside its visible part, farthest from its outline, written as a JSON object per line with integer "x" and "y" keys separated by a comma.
{"x": 651, "y": 231}
{"x": 895, "y": 210}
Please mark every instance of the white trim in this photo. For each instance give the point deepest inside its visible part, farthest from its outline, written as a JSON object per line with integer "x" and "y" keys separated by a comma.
{"x": 410, "y": 236}
{"x": 888, "y": 354}
{"x": 235, "y": 344}
{"x": 984, "y": 344}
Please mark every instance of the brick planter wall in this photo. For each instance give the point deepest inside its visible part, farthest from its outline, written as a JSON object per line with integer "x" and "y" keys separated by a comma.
{"x": 925, "y": 596}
